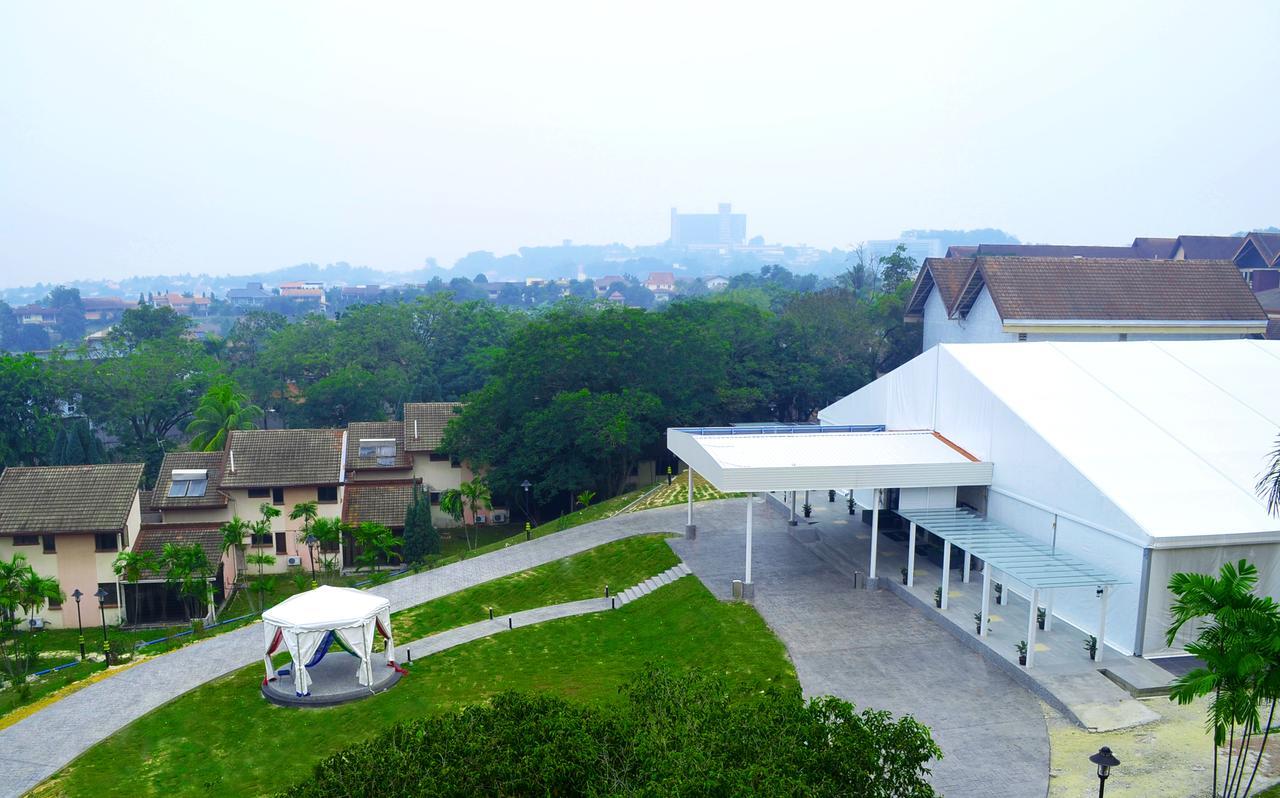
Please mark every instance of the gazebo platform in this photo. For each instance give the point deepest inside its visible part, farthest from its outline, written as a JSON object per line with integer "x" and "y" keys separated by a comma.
{"x": 333, "y": 681}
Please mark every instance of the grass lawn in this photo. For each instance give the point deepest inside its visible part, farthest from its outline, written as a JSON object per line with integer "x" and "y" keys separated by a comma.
{"x": 678, "y": 493}
{"x": 224, "y": 738}
{"x": 620, "y": 565}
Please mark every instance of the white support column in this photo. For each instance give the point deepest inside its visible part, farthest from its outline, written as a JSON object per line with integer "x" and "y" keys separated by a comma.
{"x": 875, "y": 532}
{"x": 946, "y": 571}
{"x": 986, "y": 600}
{"x": 911, "y": 556}
{"x": 792, "y": 519}
{"x": 965, "y": 578}
{"x": 1031, "y": 625}
{"x": 690, "y": 470}
{"x": 1048, "y": 609}
{"x": 1004, "y": 590}
{"x": 1102, "y": 622}
{"x": 751, "y": 500}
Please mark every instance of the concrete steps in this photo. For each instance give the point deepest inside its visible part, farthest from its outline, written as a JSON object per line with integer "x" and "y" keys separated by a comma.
{"x": 652, "y": 583}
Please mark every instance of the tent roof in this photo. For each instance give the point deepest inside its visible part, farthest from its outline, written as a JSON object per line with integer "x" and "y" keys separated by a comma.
{"x": 326, "y": 607}
{"x": 823, "y": 458}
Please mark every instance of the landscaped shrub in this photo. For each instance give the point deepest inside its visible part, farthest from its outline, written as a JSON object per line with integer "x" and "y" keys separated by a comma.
{"x": 673, "y": 733}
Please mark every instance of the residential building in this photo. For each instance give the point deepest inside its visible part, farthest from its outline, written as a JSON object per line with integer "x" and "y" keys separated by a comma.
{"x": 604, "y": 284}
{"x": 253, "y": 295}
{"x": 716, "y": 283}
{"x": 304, "y": 292}
{"x": 377, "y": 502}
{"x": 423, "y": 431}
{"x": 105, "y": 309}
{"x": 181, "y": 303}
{"x": 37, "y": 315}
{"x": 723, "y": 229}
{"x": 661, "y": 281}
{"x": 71, "y": 522}
{"x": 152, "y": 599}
{"x": 988, "y": 299}
{"x": 1259, "y": 261}
{"x": 189, "y": 489}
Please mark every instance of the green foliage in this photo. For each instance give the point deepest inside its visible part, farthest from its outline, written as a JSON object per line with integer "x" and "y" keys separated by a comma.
{"x": 187, "y": 569}
{"x": 673, "y": 733}
{"x": 148, "y": 323}
{"x": 375, "y": 544}
{"x": 222, "y": 410}
{"x": 69, "y": 310}
{"x": 129, "y": 566}
{"x": 1238, "y": 640}
{"x": 584, "y": 498}
{"x": 23, "y": 593}
{"x": 76, "y": 444}
{"x": 421, "y": 540}
{"x": 28, "y": 410}
{"x": 897, "y": 268}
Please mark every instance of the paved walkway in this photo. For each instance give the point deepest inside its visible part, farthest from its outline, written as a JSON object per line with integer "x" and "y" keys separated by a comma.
{"x": 39, "y": 745}
{"x": 872, "y": 649}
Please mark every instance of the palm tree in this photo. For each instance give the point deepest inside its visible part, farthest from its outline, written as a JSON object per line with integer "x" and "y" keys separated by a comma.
{"x": 1238, "y": 641}
{"x": 307, "y": 511}
{"x": 327, "y": 532}
{"x": 129, "y": 566}
{"x": 187, "y": 568}
{"x": 585, "y": 497}
{"x": 233, "y": 533}
{"x": 475, "y": 493}
{"x": 1269, "y": 485}
{"x": 222, "y": 409}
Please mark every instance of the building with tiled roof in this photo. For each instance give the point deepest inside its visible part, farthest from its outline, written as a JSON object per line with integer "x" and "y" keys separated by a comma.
{"x": 378, "y": 502}
{"x": 946, "y": 276}
{"x": 189, "y": 488}
{"x": 424, "y": 424}
{"x": 1021, "y": 299}
{"x": 151, "y": 599}
{"x": 283, "y": 457}
{"x": 70, "y": 522}
{"x": 375, "y": 448}
{"x": 1206, "y": 247}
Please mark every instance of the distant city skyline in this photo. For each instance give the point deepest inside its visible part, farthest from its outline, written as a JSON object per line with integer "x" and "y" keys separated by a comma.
{"x": 158, "y": 138}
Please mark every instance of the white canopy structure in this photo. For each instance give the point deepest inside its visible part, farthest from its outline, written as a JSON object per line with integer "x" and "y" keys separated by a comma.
{"x": 307, "y": 623}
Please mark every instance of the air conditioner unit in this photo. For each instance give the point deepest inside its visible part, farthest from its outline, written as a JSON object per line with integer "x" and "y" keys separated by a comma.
{"x": 482, "y": 519}
{"x": 499, "y": 516}
{"x": 294, "y": 561}
{"x": 36, "y": 623}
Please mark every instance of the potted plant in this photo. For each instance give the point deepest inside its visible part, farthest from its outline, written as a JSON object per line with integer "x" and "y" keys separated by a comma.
{"x": 977, "y": 623}
{"x": 808, "y": 508}
{"x": 999, "y": 590}
{"x": 831, "y": 495}
{"x": 1040, "y": 617}
{"x": 850, "y": 503}
{"x": 1022, "y": 652}
{"x": 937, "y": 597}
{"x": 1091, "y": 645}
{"x": 904, "y": 576}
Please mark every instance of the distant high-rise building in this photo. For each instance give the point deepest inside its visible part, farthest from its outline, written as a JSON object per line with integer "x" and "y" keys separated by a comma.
{"x": 708, "y": 230}
{"x": 918, "y": 248}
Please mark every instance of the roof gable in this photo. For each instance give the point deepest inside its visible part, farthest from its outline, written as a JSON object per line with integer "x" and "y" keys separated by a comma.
{"x": 83, "y": 498}
{"x": 1208, "y": 247}
{"x": 947, "y": 275}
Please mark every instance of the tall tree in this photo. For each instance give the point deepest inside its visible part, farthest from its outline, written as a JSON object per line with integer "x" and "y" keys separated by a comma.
{"x": 76, "y": 444}
{"x": 421, "y": 540}
{"x": 149, "y": 323}
{"x": 8, "y": 328}
{"x": 222, "y": 410}
{"x": 129, "y": 566}
{"x": 897, "y": 268}
{"x": 69, "y": 309}
{"x": 28, "y": 410}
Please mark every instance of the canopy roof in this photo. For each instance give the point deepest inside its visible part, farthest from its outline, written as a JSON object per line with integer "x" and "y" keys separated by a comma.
{"x": 824, "y": 458}
{"x": 326, "y": 608}
{"x": 1036, "y": 564}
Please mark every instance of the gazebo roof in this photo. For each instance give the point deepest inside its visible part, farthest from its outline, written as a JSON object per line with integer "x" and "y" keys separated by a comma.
{"x": 326, "y": 607}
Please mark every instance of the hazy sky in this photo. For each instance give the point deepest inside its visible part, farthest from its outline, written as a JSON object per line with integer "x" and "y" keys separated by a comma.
{"x": 232, "y": 137}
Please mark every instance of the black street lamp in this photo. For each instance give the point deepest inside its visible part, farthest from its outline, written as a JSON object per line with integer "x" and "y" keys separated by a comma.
{"x": 526, "y": 485}
{"x": 77, "y": 595}
{"x": 1105, "y": 761}
{"x": 312, "y": 540}
{"x": 102, "y": 607}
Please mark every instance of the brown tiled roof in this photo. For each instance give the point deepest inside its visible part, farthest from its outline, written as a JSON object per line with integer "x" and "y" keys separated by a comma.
{"x": 1113, "y": 290}
{"x": 430, "y": 418}
{"x": 152, "y": 539}
{"x": 282, "y": 457}
{"x": 961, "y": 251}
{"x": 1053, "y": 251}
{"x": 380, "y": 502}
{"x": 947, "y": 275}
{"x": 1210, "y": 247}
{"x": 82, "y": 498}
{"x": 173, "y": 461}
{"x": 365, "y": 430}
{"x": 1273, "y": 330}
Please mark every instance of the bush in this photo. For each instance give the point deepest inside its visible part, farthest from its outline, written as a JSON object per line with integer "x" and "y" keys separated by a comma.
{"x": 672, "y": 733}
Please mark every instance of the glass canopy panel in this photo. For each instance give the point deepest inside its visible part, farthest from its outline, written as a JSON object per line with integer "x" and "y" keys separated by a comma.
{"x": 1025, "y": 559}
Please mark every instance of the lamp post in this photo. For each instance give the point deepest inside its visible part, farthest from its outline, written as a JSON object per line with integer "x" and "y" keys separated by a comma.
{"x": 526, "y": 485}
{"x": 1105, "y": 761}
{"x": 312, "y": 540}
{"x": 102, "y": 607}
{"x": 77, "y": 595}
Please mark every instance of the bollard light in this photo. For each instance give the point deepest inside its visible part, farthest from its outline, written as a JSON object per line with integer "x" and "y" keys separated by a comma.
{"x": 1105, "y": 761}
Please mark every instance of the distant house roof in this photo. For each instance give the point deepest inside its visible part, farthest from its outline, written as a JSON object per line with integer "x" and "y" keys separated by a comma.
{"x": 1267, "y": 245}
{"x": 961, "y": 251}
{"x": 376, "y": 430}
{"x": 252, "y": 292}
{"x": 424, "y": 424}
{"x": 153, "y": 537}
{"x": 608, "y": 280}
{"x": 947, "y": 275}
{"x": 1159, "y": 248}
{"x": 661, "y": 278}
{"x": 1111, "y": 290}
{"x": 1053, "y": 251}
{"x": 105, "y": 303}
{"x": 1209, "y": 247}
{"x": 283, "y": 457}
{"x": 1270, "y": 300}
{"x": 209, "y": 462}
{"x": 53, "y": 499}
{"x": 378, "y": 502}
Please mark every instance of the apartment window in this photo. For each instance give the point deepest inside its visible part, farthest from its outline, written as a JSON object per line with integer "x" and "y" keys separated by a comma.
{"x": 277, "y": 495}
{"x": 437, "y": 457}
{"x": 455, "y": 462}
{"x": 260, "y": 541}
{"x": 382, "y": 448}
{"x": 26, "y": 540}
{"x": 112, "y": 599}
{"x": 282, "y": 543}
{"x": 259, "y": 493}
{"x": 1022, "y": 337}
{"x": 48, "y": 544}
{"x": 327, "y": 494}
{"x": 188, "y": 483}
{"x": 54, "y": 604}
{"x": 1124, "y": 336}
{"x": 435, "y": 497}
{"x": 105, "y": 541}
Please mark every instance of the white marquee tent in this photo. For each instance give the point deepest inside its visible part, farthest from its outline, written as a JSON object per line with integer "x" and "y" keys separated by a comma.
{"x": 1142, "y": 457}
{"x": 307, "y": 623}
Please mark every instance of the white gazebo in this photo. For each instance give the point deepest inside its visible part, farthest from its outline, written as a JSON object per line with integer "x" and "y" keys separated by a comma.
{"x": 306, "y": 624}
